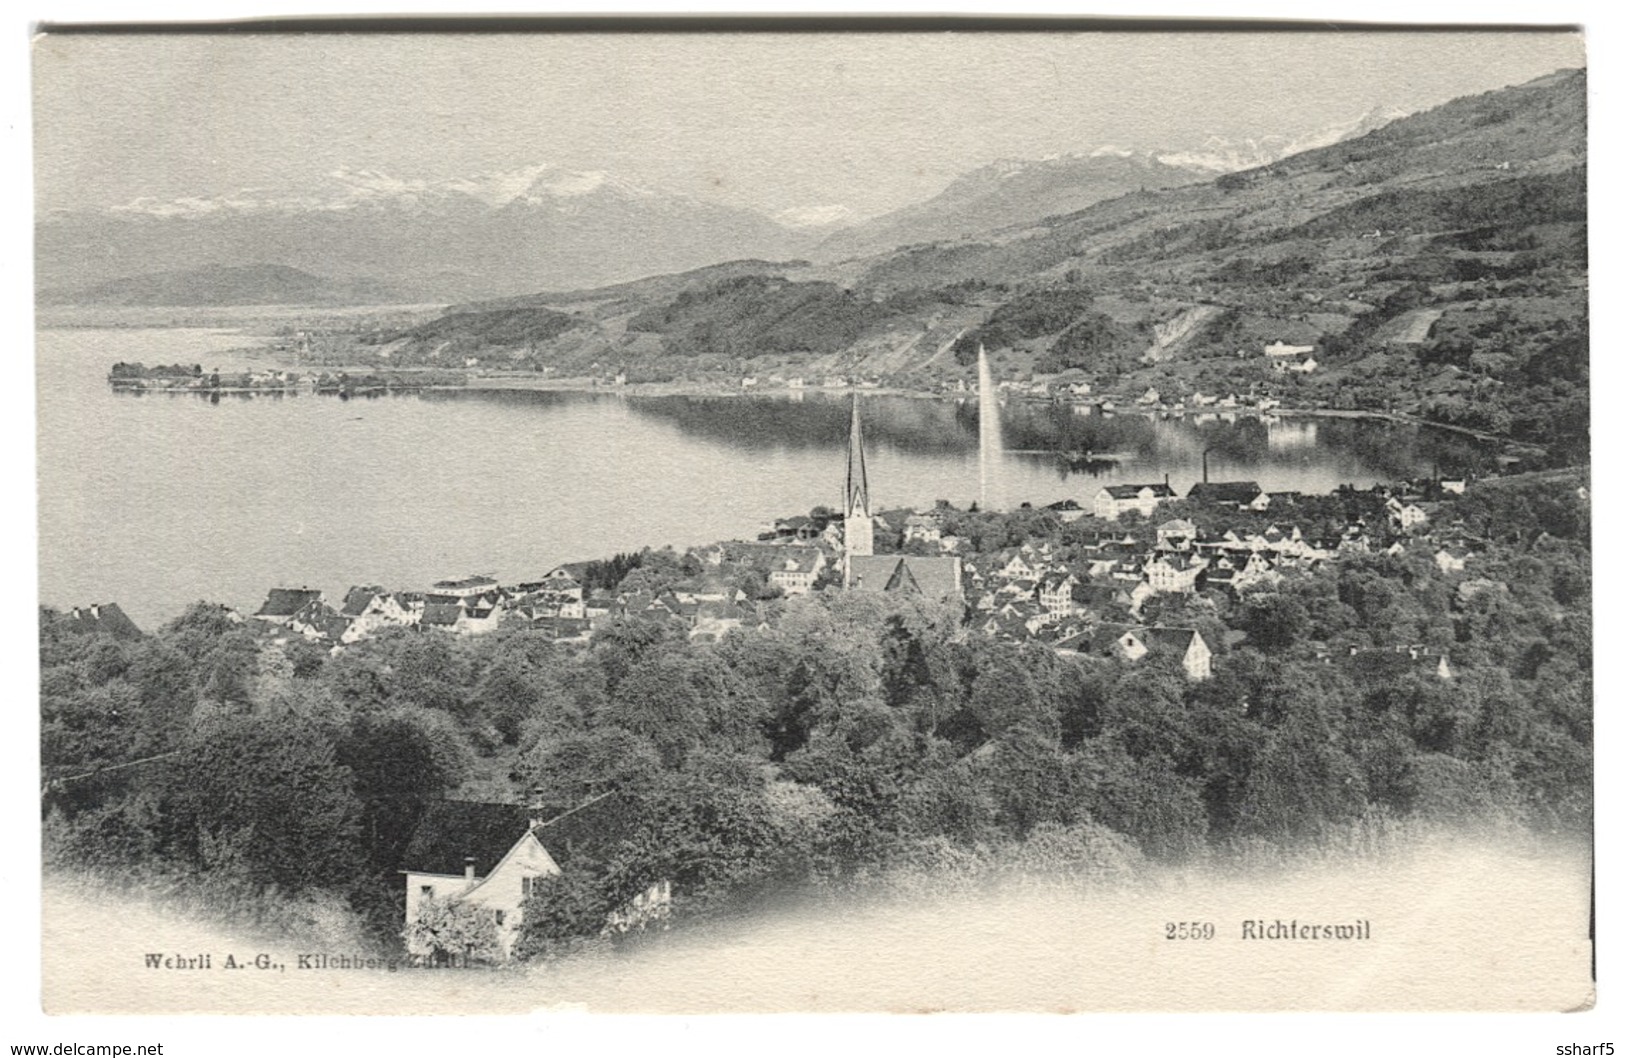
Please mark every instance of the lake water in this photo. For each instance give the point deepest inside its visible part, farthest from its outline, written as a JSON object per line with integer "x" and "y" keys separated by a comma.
{"x": 157, "y": 501}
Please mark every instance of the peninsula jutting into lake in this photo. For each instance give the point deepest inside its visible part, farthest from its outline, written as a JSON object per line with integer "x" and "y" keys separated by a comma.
{"x": 1003, "y": 541}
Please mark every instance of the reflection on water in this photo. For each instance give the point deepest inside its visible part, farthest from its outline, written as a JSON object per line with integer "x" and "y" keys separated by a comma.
{"x": 156, "y": 501}
{"x": 1248, "y": 446}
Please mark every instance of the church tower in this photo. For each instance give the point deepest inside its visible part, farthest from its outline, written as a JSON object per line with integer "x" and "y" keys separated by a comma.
{"x": 859, "y": 531}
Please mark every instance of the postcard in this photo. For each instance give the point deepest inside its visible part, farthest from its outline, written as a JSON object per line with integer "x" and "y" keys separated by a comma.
{"x": 788, "y": 519}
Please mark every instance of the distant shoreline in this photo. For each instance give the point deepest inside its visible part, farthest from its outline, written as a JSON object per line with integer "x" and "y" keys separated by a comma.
{"x": 475, "y": 382}
{"x": 693, "y": 388}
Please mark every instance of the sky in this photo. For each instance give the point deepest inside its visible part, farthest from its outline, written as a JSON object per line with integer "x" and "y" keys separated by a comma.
{"x": 773, "y": 122}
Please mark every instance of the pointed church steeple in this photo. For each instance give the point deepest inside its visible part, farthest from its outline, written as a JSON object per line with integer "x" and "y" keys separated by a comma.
{"x": 859, "y": 529}
{"x": 857, "y": 474}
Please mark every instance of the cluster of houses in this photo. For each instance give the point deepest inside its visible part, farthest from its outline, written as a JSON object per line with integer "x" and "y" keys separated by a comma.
{"x": 555, "y": 604}
{"x": 179, "y": 379}
{"x": 1085, "y": 598}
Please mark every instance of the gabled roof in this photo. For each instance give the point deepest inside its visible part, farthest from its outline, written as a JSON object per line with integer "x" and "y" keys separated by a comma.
{"x": 441, "y": 613}
{"x": 285, "y": 602}
{"x": 1225, "y": 492}
{"x": 795, "y": 559}
{"x": 452, "y": 831}
{"x": 315, "y": 613}
{"x": 1176, "y": 640}
{"x": 935, "y": 578}
{"x": 1103, "y": 638}
{"x": 103, "y": 617}
{"x": 335, "y": 626}
{"x": 356, "y": 600}
{"x": 592, "y": 829}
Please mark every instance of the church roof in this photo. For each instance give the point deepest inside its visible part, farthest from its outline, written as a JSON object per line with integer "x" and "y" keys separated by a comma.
{"x": 934, "y": 578}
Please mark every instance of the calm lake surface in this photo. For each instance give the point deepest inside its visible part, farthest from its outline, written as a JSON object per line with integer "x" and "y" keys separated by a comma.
{"x": 157, "y": 501}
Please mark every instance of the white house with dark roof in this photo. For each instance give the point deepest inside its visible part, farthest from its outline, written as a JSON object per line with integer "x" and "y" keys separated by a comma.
{"x": 1174, "y": 571}
{"x": 1055, "y": 593}
{"x": 491, "y": 856}
{"x": 282, "y": 605}
{"x": 1067, "y": 510}
{"x": 1279, "y": 350}
{"x": 1407, "y": 517}
{"x": 1132, "y": 643}
{"x": 794, "y": 569}
{"x": 923, "y": 528}
{"x": 465, "y": 588}
{"x": 1114, "y": 500}
{"x": 368, "y": 608}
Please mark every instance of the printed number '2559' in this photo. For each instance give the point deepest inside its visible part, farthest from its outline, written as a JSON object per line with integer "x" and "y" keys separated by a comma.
{"x": 1189, "y": 930}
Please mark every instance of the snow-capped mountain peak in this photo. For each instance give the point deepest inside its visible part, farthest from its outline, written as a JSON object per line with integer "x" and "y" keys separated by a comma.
{"x": 1220, "y": 155}
{"x": 345, "y": 188}
{"x": 804, "y": 217}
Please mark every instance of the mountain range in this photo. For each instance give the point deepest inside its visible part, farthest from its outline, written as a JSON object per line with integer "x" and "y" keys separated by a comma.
{"x": 505, "y": 233}
{"x": 542, "y": 227}
{"x": 1437, "y": 265}
{"x": 1013, "y": 192}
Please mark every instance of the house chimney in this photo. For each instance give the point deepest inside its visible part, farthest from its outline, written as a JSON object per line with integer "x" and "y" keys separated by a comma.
{"x": 468, "y": 869}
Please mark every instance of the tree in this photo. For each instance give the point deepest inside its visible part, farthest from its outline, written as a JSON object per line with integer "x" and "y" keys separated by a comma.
{"x": 395, "y": 774}
{"x": 583, "y": 764}
{"x": 453, "y": 933}
{"x": 564, "y": 911}
{"x": 1273, "y": 623}
{"x": 265, "y": 798}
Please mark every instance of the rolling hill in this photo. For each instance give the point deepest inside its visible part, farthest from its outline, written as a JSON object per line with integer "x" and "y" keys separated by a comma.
{"x": 259, "y": 284}
{"x": 1470, "y": 216}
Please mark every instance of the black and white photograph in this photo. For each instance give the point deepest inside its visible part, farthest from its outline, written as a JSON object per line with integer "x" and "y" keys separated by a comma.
{"x": 740, "y": 518}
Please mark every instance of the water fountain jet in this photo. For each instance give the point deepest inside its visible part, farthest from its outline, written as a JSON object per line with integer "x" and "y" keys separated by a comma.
{"x": 992, "y": 446}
